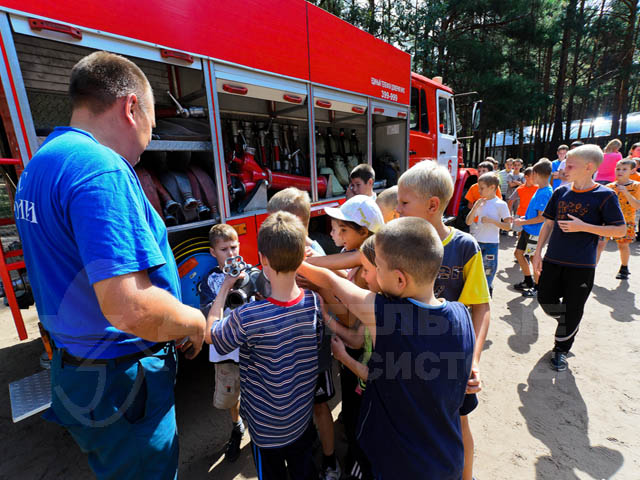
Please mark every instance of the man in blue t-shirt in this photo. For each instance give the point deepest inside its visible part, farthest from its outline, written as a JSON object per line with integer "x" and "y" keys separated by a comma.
{"x": 575, "y": 217}
{"x": 104, "y": 278}
{"x": 531, "y": 225}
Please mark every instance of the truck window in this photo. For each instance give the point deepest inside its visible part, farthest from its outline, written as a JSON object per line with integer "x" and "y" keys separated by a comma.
{"x": 413, "y": 121}
{"x": 446, "y": 122}
{"x": 424, "y": 115}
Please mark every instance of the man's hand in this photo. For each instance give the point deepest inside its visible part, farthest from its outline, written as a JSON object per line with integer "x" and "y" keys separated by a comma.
{"x": 573, "y": 225}
{"x": 191, "y": 348}
{"x": 519, "y": 222}
{"x": 473, "y": 384}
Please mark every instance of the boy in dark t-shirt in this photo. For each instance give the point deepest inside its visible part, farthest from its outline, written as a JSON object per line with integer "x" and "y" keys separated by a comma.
{"x": 409, "y": 423}
{"x": 575, "y": 217}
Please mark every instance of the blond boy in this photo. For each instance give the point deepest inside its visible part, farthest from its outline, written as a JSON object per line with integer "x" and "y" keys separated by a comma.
{"x": 388, "y": 201}
{"x": 576, "y": 215}
{"x": 424, "y": 191}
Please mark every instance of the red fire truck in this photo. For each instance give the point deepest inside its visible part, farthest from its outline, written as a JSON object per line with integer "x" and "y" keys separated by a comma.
{"x": 251, "y": 97}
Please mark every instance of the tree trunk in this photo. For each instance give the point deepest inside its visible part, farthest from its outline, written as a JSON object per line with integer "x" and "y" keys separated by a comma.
{"x": 556, "y": 136}
{"x": 574, "y": 73}
{"x": 620, "y": 106}
{"x": 372, "y": 17}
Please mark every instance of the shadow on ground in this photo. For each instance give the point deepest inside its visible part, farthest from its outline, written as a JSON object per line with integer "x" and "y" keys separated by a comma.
{"x": 554, "y": 409}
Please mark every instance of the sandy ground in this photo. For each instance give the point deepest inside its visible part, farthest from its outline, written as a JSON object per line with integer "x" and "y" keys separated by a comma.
{"x": 532, "y": 423}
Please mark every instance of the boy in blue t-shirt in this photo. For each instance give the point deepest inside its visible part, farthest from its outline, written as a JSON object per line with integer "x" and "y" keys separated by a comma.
{"x": 278, "y": 340}
{"x": 575, "y": 217}
{"x": 531, "y": 225}
{"x": 409, "y": 423}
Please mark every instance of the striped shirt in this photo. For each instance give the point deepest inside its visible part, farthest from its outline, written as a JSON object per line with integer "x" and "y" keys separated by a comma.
{"x": 278, "y": 364}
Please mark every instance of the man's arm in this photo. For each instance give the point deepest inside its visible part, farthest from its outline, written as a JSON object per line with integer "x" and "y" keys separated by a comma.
{"x": 131, "y": 303}
{"x": 358, "y": 301}
{"x": 577, "y": 225}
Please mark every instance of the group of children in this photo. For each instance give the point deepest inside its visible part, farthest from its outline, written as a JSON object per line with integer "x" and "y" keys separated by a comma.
{"x": 404, "y": 308}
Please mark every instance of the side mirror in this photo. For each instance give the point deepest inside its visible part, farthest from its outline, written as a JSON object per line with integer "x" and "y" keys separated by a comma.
{"x": 475, "y": 116}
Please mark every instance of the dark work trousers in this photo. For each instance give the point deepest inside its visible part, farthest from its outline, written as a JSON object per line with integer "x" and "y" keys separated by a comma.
{"x": 572, "y": 285}
{"x": 295, "y": 458}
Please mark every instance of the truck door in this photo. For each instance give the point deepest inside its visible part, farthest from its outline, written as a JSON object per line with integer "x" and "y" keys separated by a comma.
{"x": 422, "y": 141}
{"x": 447, "y": 141}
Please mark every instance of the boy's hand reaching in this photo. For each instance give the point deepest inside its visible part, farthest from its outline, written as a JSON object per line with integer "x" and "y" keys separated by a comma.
{"x": 338, "y": 348}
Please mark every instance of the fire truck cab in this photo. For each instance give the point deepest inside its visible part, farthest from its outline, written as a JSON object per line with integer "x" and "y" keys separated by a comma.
{"x": 298, "y": 99}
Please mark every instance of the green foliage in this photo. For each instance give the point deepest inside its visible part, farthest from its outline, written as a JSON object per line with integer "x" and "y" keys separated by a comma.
{"x": 500, "y": 49}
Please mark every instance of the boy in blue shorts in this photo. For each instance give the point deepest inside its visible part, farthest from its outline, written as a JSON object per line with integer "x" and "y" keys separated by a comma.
{"x": 424, "y": 191}
{"x": 278, "y": 340}
{"x": 409, "y": 424}
{"x": 531, "y": 225}
{"x": 577, "y": 214}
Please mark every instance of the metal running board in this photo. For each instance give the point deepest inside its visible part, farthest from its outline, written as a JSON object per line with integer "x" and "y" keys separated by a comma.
{"x": 30, "y": 395}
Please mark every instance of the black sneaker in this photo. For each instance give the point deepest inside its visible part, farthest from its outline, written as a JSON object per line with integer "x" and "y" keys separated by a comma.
{"x": 233, "y": 446}
{"x": 522, "y": 286}
{"x": 531, "y": 293}
{"x": 559, "y": 361}
{"x": 622, "y": 275}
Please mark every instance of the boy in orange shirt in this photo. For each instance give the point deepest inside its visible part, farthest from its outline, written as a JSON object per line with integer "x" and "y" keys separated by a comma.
{"x": 523, "y": 193}
{"x": 629, "y": 196}
{"x": 473, "y": 195}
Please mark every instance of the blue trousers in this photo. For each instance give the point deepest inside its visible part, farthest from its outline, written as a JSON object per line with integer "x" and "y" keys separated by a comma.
{"x": 490, "y": 260}
{"x": 122, "y": 415}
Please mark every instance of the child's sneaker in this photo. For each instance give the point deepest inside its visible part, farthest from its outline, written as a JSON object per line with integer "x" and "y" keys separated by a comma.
{"x": 331, "y": 473}
{"x": 233, "y": 445}
{"x": 623, "y": 273}
{"x": 522, "y": 286}
{"x": 559, "y": 361}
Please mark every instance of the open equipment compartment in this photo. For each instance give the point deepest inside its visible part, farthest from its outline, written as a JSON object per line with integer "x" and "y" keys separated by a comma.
{"x": 265, "y": 136}
{"x": 341, "y": 138}
{"x": 390, "y": 142}
{"x": 176, "y": 170}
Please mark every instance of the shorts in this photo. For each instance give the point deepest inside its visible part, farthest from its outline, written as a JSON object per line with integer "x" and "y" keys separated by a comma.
{"x": 325, "y": 390}
{"x": 527, "y": 243}
{"x": 227, "y": 388}
{"x": 629, "y": 237}
{"x": 469, "y": 404}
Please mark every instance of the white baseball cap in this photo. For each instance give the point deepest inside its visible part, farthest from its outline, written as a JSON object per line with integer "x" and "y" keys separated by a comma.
{"x": 360, "y": 209}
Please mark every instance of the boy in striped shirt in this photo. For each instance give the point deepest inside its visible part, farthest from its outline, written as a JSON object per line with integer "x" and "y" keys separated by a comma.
{"x": 278, "y": 340}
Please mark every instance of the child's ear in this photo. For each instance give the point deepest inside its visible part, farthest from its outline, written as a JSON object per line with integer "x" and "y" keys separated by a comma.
{"x": 212, "y": 252}
{"x": 402, "y": 280}
{"x": 433, "y": 204}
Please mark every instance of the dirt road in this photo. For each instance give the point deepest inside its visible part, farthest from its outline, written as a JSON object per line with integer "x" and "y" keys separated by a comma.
{"x": 532, "y": 423}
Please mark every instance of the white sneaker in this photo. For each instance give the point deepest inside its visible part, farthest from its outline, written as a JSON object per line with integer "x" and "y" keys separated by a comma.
{"x": 331, "y": 473}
